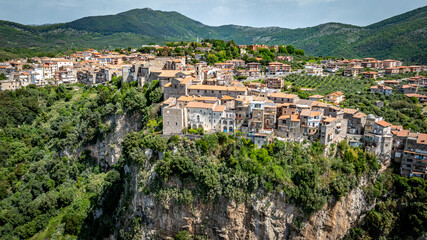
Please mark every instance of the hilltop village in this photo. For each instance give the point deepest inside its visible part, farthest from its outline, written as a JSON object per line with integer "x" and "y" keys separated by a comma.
{"x": 246, "y": 95}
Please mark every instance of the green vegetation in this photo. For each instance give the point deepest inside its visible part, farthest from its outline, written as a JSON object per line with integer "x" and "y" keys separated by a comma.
{"x": 328, "y": 84}
{"x": 222, "y": 51}
{"x": 401, "y": 212}
{"x": 398, "y": 109}
{"x": 142, "y": 26}
{"x": 223, "y": 166}
{"x": 50, "y": 186}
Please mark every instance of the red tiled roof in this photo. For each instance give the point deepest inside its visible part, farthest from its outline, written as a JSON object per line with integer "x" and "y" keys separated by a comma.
{"x": 383, "y": 123}
{"x": 200, "y": 105}
{"x": 422, "y": 138}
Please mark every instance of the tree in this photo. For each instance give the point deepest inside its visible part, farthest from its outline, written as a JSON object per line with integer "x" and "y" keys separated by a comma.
{"x": 282, "y": 49}
{"x": 291, "y": 49}
{"x": 2, "y": 76}
{"x": 300, "y": 52}
{"x": 212, "y": 58}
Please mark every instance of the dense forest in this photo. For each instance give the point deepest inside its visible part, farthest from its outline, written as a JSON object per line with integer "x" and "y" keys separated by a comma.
{"x": 49, "y": 182}
{"x": 401, "y": 213}
{"x": 52, "y": 187}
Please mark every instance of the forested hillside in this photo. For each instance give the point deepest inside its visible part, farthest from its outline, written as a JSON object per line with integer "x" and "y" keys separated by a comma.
{"x": 402, "y": 37}
{"x": 49, "y": 181}
{"x": 52, "y": 185}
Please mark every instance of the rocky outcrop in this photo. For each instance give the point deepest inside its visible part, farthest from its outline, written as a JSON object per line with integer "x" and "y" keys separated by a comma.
{"x": 269, "y": 217}
{"x": 108, "y": 148}
{"x": 336, "y": 218}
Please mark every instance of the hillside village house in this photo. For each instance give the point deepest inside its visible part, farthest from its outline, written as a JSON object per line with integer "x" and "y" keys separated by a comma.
{"x": 370, "y": 75}
{"x": 274, "y": 82}
{"x": 335, "y": 97}
{"x": 274, "y": 68}
{"x": 283, "y": 98}
{"x": 391, "y": 71}
{"x": 415, "y": 69}
{"x": 316, "y": 97}
{"x": 382, "y": 89}
{"x": 409, "y": 88}
{"x": 372, "y": 63}
{"x": 418, "y": 80}
{"x": 314, "y": 71}
{"x": 391, "y": 63}
{"x": 253, "y": 66}
{"x": 421, "y": 98}
{"x": 353, "y": 71}
{"x": 380, "y": 140}
{"x": 285, "y": 58}
{"x": 403, "y": 69}
{"x": 237, "y": 63}
{"x": 411, "y": 150}
{"x": 391, "y": 83}
{"x": 216, "y": 91}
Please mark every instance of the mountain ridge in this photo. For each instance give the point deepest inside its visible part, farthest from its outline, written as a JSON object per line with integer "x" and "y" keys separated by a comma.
{"x": 401, "y": 37}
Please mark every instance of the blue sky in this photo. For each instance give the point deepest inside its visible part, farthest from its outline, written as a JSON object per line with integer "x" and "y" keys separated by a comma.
{"x": 257, "y": 13}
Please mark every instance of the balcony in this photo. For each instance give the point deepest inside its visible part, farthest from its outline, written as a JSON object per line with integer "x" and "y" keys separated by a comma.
{"x": 195, "y": 120}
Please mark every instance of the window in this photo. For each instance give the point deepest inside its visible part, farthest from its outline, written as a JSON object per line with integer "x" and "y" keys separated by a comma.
{"x": 176, "y": 123}
{"x": 168, "y": 123}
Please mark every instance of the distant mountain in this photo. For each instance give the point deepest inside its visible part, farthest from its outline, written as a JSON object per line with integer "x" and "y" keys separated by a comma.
{"x": 402, "y": 37}
{"x": 145, "y": 21}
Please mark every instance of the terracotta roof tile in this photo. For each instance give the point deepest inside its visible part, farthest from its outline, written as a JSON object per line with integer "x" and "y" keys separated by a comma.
{"x": 422, "y": 139}
{"x": 383, "y": 123}
{"x": 200, "y": 105}
{"x": 217, "y": 88}
{"x": 219, "y": 108}
{"x": 284, "y": 117}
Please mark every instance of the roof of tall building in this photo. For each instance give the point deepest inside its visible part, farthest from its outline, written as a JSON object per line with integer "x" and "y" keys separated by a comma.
{"x": 200, "y": 105}
{"x": 217, "y": 88}
{"x": 383, "y": 123}
{"x": 422, "y": 138}
{"x": 282, "y": 95}
{"x": 219, "y": 108}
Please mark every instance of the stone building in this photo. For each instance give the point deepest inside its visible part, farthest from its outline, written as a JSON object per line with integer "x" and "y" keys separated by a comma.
{"x": 216, "y": 91}
{"x": 380, "y": 140}
{"x": 414, "y": 156}
{"x": 174, "y": 119}
{"x": 332, "y": 130}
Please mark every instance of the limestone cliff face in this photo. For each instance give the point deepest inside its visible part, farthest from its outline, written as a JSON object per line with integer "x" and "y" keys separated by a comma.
{"x": 336, "y": 218}
{"x": 107, "y": 150}
{"x": 266, "y": 217}
{"x": 269, "y": 217}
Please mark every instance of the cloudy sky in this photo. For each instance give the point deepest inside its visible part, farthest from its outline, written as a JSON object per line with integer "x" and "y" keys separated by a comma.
{"x": 259, "y": 13}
